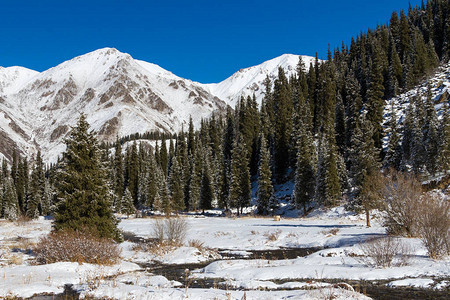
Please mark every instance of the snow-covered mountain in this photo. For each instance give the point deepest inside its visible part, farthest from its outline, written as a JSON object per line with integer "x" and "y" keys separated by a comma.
{"x": 247, "y": 81}
{"x": 119, "y": 95}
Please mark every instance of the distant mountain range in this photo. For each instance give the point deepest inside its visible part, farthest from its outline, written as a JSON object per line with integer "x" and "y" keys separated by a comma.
{"x": 119, "y": 95}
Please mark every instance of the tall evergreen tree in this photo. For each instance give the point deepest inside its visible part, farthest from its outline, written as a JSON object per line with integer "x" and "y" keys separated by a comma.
{"x": 10, "y": 203}
{"x": 283, "y": 108}
{"x": 37, "y": 189}
{"x": 133, "y": 172}
{"x": 118, "y": 170}
{"x": 176, "y": 188}
{"x": 126, "y": 203}
{"x": 206, "y": 189}
{"x": 265, "y": 187}
{"x": 82, "y": 186}
{"x": 240, "y": 191}
{"x": 430, "y": 134}
{"x": 305, "y": 170}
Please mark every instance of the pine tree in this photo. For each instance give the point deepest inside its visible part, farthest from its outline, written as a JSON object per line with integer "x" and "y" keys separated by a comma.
{"x": 195, "y": 178}
{"x": 393, "y": 151}
{"x": 176, "y": 188}
{"x": 418, "y": 154}
{"x": 37, "y": 189}
{"x": 430, "y": 134}
{"x": 82, "y": 186}
{"x": 163, "y": 156}
{"x": 22, "y": 183}
{"x": 265, "y": 187}
{"x": 133, "y": 172}
{"x": 375, "y": 102}
{"x": 365, "y": 166}
{"x": 190, "y": 138}
{"x": 283, "y": 108}
{"x": 240, "y": 177}
{"x": 407, "y": 135}
{"x": 126, "y": 203}
{"x": 118, "y": 170}
{"x": 305, "y": 170}
{"x": 10, "y": 202}
{"x": 206, "y": 190}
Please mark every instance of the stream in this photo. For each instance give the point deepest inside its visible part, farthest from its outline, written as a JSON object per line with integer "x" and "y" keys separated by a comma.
{"x": 377, "y": 290}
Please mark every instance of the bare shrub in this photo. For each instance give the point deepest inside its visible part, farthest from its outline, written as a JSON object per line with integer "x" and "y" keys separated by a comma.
{"x": 435, "y": 225}
{"x": 76, "y": 246}
{"x": 385, "y": 252}
{"x": 402, "y": 195}
{"x": 176, "y": 229}
{"x": 273, "y": 236}
{"x": 171, "y": 229}
{"x": 158, "y": 230}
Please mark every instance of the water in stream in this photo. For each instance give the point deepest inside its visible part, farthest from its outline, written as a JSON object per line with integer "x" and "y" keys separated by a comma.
{"x": 376, "y": 290}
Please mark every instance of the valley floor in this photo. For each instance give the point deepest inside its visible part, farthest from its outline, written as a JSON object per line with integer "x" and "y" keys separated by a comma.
{"x": 229, "y": 258}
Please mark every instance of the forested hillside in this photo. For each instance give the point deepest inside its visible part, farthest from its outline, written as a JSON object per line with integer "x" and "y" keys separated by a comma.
{"x": 322, "y": 129}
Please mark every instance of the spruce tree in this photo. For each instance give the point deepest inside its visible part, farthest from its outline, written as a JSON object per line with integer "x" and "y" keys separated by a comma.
{"x": 176, "y": 188}
{"x": 305, "y": 170}
{"x": 365, "y": 167}
{"x": 195, "y": 178}
{"x": 206, "y": 190}
{"x": 430, "y": 134}
{"x": 283, "y": 108}
{"x": 37, "y": 189}
{"x": 265, "y": 187}
{"x": 82, "y": 186}
{"x": 118, "y": 170}
{"x": 126, "y": 203}
{"x": 133, "y": 172}
{"x": 163, "y": 156}
{"x": 375, "y": 94}
{"x": 239, "y": 192}
{"x": 10, "y": 201}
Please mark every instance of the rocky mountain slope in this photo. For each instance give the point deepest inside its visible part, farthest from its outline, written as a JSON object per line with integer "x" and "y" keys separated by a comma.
{"x": 250, "y": 80}
{"x": 119, "y": 95}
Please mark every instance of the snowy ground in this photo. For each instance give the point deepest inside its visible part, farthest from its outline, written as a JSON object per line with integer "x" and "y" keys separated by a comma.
{"x": 309, "y": 277}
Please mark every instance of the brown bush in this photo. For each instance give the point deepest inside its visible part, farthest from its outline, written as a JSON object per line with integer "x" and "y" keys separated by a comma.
{"x": 173, "y": 230}
{"x": 402, "y": 194}
{"x": 434, "y": 224}
{"x": 76, "y": 246}
{"x": 384, "y": 252}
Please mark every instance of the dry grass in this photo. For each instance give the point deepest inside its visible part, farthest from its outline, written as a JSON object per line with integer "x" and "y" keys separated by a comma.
{"x": 75, "y": 246}
{"x": 196, "y": 244}
{"x": 273, "y": 236}
{"x": 330, "y": 232}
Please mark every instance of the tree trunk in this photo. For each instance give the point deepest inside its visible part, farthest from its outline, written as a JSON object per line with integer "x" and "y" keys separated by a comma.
{"x": 367, "y": 217}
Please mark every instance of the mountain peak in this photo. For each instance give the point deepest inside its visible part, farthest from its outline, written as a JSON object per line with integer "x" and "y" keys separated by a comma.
{"x": 248, "y": 81}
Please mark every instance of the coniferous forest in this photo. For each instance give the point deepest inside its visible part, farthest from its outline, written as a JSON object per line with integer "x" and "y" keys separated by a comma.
{"x": 321, "y": 129}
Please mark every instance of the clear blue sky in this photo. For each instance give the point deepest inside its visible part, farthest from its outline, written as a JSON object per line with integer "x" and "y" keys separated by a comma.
{"x": 203, "y": 40}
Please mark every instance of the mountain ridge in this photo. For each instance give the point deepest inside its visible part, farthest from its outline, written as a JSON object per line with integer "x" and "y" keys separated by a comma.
{"x": 119, "y": 95}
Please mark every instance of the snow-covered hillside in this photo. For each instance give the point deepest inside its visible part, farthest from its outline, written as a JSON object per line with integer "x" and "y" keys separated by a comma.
{"x": 119, "y": 95}
{"x": 440, "y": 89}
{"x": 12, "y": 78}
{"x": 247, "y": 81}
